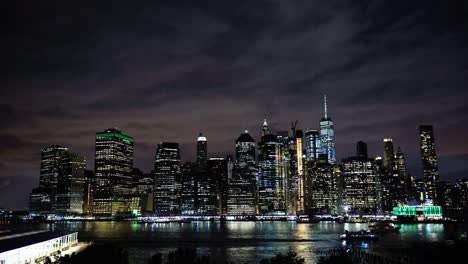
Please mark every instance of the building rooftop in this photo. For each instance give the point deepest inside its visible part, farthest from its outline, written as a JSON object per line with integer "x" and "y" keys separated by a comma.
{"x": 12, "y": 240}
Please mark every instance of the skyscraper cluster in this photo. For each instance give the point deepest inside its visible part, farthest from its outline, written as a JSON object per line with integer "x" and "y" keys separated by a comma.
{"x": 284, "y": 174}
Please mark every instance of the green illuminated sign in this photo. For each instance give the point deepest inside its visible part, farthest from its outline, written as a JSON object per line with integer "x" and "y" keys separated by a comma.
{"x": 404, "y": 211}
{"x": 107, "y": 135}
{"x": 135, "y": 212}
{"x": 411, "y": 210}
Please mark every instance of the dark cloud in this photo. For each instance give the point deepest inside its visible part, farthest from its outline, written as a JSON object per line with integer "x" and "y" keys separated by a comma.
{"x": 167, "y": 70}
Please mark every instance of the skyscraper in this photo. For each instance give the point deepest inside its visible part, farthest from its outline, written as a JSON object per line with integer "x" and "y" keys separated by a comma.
{"x": 271, "y": 182}
{"x": 52, "y": 168}
{"x": 429, "y": 160}
{"x": 312, "y": 144}
{"x": 167, "y": 180}
{"x": 202, "y": 151}
{"x": 218, "y": 171}
{"x": 300, "y": 172}
{"x": 70, "y": 186}
{"x": 389, "y": 153}
{"x": 327, "y": 135}
{"x": 321, "y": 187}
{"x": 400, "y": 165}
{"x": 242, "y": 187}
{"x": 113, "y": 170}
{"x": 61, "y": 183}
{"x": 189, "y": 188}
{"x": 265, "y": 130}
{"x": 361, "y": 149}
{"x": 288, "y": 168}
{"x": 379, "y": 172}
{"x": 359, "y": 182}
{"x": 388, "y": 178}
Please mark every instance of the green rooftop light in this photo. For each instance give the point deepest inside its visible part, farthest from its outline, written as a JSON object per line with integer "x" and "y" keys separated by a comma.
{"x": 109, "y": 135}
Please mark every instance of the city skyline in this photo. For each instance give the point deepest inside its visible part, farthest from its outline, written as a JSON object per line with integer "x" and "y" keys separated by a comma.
{"x": 166, "y": 71}
{"x": 260, "y": 131}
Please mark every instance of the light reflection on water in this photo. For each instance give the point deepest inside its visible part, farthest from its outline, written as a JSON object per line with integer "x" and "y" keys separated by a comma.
{"x": 240, "y": 242}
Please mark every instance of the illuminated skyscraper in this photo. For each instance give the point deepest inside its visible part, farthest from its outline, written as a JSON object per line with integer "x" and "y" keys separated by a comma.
{"x": 327, "y": 135}
{"x": 189, "y": 188}
{"x": 167, "y": 180}
{"x": 312, "y": 144}
{"x": 242, "y": 187}
{"x": 202, "y": 151}
{"x": 113, "y": 170}
{"x": 300, "y": 172}
{"x": 70, "y": 186}
{"x": 321, "y": 187}
{"x": 429, "y": 160}
{"x": 288, "y": 168}
{"x": 359, "y": 182}
{"x": 272, "y": 176}
{"x": 218, "y": 171}
{"x": 389, "y": 179}
{"x": 265, "y": 130}
{"x": 61, "y": 183}
{"x": 389, "y": 154}
{"x": 379, "y": 172}
{"x": 400, "y": 165}
{"x": 52, "y": 161}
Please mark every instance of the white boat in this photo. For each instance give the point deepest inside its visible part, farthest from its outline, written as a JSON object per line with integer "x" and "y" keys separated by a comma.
{"x": 359, "y": 235}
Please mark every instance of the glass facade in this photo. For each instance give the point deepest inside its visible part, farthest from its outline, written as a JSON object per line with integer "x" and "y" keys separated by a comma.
{"x": 61, "y": 183}
{"x": 242, "y": 186}
{"x": 113, "y": 171}
{"x": 327, "y": 136}
{"x": 429, "y": 160}
{"x": 271, "y": 182}
{"x": 202, "y": 151}
{"x": 321, "y": 187}
{"x": 167, "y": 180}
{"x": 359, "y": 182}
{"x": 313, "y": 146}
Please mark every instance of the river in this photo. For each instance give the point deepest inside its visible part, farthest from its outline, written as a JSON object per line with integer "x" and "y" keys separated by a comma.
{"x": 245, "y": 242}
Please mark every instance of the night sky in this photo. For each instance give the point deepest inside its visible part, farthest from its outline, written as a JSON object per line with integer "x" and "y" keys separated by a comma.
{"x": 171, "y": 69}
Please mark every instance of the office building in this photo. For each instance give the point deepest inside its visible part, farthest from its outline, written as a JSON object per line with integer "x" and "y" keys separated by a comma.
{"x": 429, "y": 162}
{"x": 167, "y": 180}
{"x": 113, "y": 171}
{"x": 242, "y": 186}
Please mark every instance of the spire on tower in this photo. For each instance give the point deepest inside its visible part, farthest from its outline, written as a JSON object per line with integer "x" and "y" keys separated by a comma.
{"x": 325, "y": 105}
{"x": 265, "y": 130}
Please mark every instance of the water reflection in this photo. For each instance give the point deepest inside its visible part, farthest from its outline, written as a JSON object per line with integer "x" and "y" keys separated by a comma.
{"x": 240, "y": 242}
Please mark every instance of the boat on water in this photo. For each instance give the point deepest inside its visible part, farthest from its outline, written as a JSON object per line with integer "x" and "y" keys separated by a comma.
{"x": 359, "y": 235}
{"x": 383, "y": 227}
{"x": 306, "y": 219}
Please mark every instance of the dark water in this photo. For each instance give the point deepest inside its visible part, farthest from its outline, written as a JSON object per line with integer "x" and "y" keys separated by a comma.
{"x": 246, "y": 242}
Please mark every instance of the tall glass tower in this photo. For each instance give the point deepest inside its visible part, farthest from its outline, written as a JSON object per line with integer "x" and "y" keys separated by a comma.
{"x": 327, "y": 135}
{"x": 202, "y": 151}
{"x": 113, "y": 168}
{"x": 242, "y": 187}
{"x": 312, "y": 144}
{"x": 167, "y": 180}
{"x": 429, "y": 160}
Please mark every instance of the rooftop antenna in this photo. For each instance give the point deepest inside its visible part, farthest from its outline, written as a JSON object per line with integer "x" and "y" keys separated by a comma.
{"x": 325, "y": 104}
